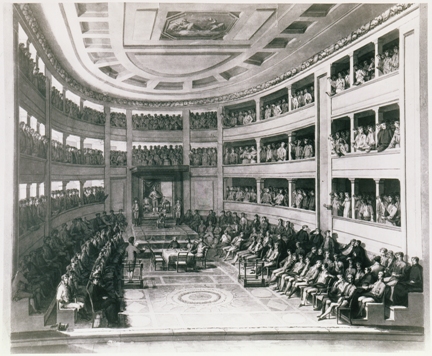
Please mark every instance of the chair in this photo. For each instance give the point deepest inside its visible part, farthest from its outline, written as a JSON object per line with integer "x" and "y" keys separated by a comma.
{"x": 203, "y": 258}
{"x": 182, "y": 260}
{"x": 155, "y": 259}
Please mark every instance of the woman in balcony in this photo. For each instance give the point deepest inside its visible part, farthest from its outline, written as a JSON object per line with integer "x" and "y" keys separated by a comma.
{"x": 308, "y": 150}
{"x": 387, "y": 62}
{"x": 395, "y": 142}
{"x": 370, "y": 138}
{"x": 392, "y": 217}
{"x": 347, "y": 206}
{"x": 366, "y": 211}
{"x": 395, "y": 59}
{"x": 361, "y": 142}
{"x": 281, "y": 152}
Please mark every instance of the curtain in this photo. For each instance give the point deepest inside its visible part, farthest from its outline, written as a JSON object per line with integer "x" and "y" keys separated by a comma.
{"x": 148, "y": 186}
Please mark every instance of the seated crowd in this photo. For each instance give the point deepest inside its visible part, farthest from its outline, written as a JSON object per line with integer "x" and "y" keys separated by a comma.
{"x": 274, "y": 109}
{"x": 386, "y": 135}
{"x": 383, "y": 209}
{"x": 203, "y": 156}
{"x": 157, "y": 155}
{"x": 386, "y": 62}
{"x": 203, "y": 120}
{"x": 118, "y": 119}
{"x": 30, "y": 69}
{"x": 63, "y": 200}
{"x": 340, "y": 142}
{"x": 72, "y": 110}
{"x": 157, "y": 122}
{"x": 73, "y": 155}
{"x": 302, "y": 97}
{"x": 118, "y": 158}
{"x": 32, "y": 213}
{"x": 238, "y": 118}
{"x": 71, "y": 262}
{"x": 310, "y": 263}
{"x": 31, "y": 142}
{"x": 301, "y": 199}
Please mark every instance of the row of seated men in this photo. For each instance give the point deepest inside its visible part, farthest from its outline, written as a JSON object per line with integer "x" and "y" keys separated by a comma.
{"x": 118, "y": 119}
{"x": 68, "y": 154}
{"x": 366, "y": 138}
{"x": 32, "y": 213}
{"x": 63, "y": 200}
{"x": 272, "y": 152}
{"x": 203, "y": 156}
{"x": 30, "y": 68}
{"x": 313, "y": 262}
{"x": 118, "y": 158}
{"x": 386, "y": 62}
{"x": 203, "y": 120}
{"x": 157, "y": 122}
{"x": 157, "y": 155}
{"x": 383, "y": 209}
{"x": 301, "y": 198}
{"x": 67, "y": 249}
{"x": 31, "y": 142}
{"x": 73, "y": 110}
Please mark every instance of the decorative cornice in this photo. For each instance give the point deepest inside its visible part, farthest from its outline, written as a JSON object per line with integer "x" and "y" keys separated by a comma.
{"x": 139, "y": 104}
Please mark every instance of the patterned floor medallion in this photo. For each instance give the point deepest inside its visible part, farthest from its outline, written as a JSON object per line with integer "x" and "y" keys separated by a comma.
{"x": 200, "y": 296}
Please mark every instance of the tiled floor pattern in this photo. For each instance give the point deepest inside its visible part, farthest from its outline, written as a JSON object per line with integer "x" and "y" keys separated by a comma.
{"x": 211, "y": 298}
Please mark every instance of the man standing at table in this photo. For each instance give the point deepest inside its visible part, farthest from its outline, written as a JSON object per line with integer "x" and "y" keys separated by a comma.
{"x": 154, "y": 196}
{"x": 132, "y": 252}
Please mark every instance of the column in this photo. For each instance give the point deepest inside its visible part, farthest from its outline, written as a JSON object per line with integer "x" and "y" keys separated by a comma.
{"x": 289, "y": 98}
{"x": 48, "y": 134}
{"x": 28, "y": 186}
{"x": 38, "y": 127}
{"x": 379, "y": 190}
{"x": 82, "y": 182}
{"x": 107, "y": 158}
{"x": 81, "y": 104}
{"x": 291, "y": 189}
{"x": 260, "y": 185}
{"x": 291, "y": 137}
{"x": 354, "y": 190}
{"x": 258, "y": 144}
{"x": 352, "y": 74}
{"x": 82, "y": 149}
{"x": 258, "y": 109}
{"x": 65, "y": 136}
{"x": 64, "y": 184}
{"x": 186, "y": 151}
{"x": 220, "y": 152}
{"x": 378, "y": 50}
{"x": 37, "y": 190}
{"x": 129, "y": 139}
{"x": 64, "y": 99}
{"x": 379, "y": 117}
{"x": 351, "y": 117}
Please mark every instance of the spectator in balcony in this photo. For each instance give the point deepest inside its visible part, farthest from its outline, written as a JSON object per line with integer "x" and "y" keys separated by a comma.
{"x": 308, "y": 150}
{"x": 346, "y": 206}
{"x": 307, "y": 97}
{"x": 282, "y": 152}
{"x": 298, "y": 150}
{"x": 118, "y": 119}
{"x": 391, "y": 217}
{"x": 295, "y": 100}
{"x": 384, "y": 137}
{"x": 347, "y": 79}
{"x": 395, "y": 142}
{"x": 300, "y": 98}
{"x": 360, "y": 141}
{"x": 387, "y": 62}
{"x": 366, "y": 211}
{"x": 360, "y": 75}
{"x": 394, "y": 63}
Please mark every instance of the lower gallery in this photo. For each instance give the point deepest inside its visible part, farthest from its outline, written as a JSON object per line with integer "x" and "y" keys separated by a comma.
{"x": 216, "y": 177}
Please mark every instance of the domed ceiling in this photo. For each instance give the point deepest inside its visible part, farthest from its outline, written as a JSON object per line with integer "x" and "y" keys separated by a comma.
{"x": 162, "y": 51}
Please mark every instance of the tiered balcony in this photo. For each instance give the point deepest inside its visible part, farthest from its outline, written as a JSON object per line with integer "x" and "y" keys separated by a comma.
{"x": 302, "y": 168}
{"x": 61, "y": 122}
{"x": 30, "y": 99}
{"x": 290, "y": 121}
{"x": 377, "y": 92}
{"x": 66, "y": 171}
{"x": 297, "y": 216}
{"x": 386, "y": 164}
{"x": 373, "y": 235}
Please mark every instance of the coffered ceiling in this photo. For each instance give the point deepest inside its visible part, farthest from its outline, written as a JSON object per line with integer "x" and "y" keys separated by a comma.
{"x": 186, "y": 51}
